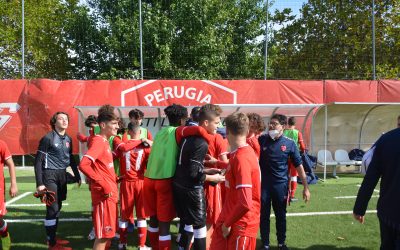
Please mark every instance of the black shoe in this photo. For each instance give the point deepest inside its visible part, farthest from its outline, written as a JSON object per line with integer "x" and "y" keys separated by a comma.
{"x": 283, "y": 247}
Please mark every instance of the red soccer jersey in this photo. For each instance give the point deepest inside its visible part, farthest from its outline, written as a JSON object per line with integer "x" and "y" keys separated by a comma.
{"x": 133, "y": 162}
{"x": 243, "y": 174}
{"x": 217, "y": 147}
{"x": 101, "y": 170}
{"x": 4, "y": 155}
{"x": 253, "y": 142}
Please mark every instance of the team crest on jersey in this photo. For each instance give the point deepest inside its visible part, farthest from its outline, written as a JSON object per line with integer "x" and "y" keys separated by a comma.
{"x": 67, "y": 144}
{"x": 283, "y": 148}
{"x": 56, "y": 144}
{"x": 108, "y": 229}
{"x": 110, "y": 165}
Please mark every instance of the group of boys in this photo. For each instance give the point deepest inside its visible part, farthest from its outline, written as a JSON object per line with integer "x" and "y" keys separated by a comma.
{"x": 186, "y": 172}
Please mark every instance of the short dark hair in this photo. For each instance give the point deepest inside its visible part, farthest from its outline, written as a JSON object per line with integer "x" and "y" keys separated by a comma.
{"x": 208, "y": 111}
{"x": 53, "y": 119}
{"x": 256, "y": 122}
{"x": 195, "y": 113}
{"x": 136, "y": 113}
{"x": 90, "y": 120}
{"x": 106, "y": 114}
{"x": 237, "y": 123}
{"x": 292, "y": 121}
{"x": 175, "y": 113}
{"x": 282, "y": 119}
{"x": 133, "y": 127}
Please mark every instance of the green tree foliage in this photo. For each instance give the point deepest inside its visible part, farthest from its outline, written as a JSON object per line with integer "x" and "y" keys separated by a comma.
{"x": 333, "y": 40}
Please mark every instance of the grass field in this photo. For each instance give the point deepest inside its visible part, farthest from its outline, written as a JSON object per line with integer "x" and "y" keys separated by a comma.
{"x": 336, "y": 231}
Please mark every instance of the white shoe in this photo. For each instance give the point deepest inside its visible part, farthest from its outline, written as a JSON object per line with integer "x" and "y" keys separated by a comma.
{"x": 121, "y": 246}
{"x": 145, "y": 248}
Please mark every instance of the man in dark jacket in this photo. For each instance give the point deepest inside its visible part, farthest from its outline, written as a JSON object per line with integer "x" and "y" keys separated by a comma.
{"x": 385, "y": 164}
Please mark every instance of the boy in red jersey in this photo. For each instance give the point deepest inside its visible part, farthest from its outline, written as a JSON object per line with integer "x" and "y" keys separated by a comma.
{"x": 238, "y": 223}
{"x": 133, "y": 161}
{"x": 256, "y": 127}
{"x": 97, "y": 164}
{"x": 5, "y": 158}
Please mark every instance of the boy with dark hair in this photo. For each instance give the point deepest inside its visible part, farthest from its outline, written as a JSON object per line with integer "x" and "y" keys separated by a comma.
{"x": 97, "y": 165}
{"x": 256, "y": 127}
{"x": 158, "y": 198}
{"x": 6, "y": 158}
{"x": 292, "y": 133}
{"x": 53, "y": 157}
{"x": 189, "y": 178}
{"x": 133, "y": 158}
{"x": 238, "y": 223}
{"x": 136, "y": 117}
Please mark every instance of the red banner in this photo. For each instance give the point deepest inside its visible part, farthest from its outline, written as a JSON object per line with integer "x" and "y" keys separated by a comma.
{"x": 26, "y": 106}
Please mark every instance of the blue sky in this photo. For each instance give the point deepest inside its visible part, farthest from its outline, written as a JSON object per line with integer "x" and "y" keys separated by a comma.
{"x": 295, "y": 5}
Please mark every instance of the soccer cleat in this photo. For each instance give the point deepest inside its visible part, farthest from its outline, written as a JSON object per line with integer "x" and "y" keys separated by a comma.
{"x": 145, "y": 248}
{"x": 59, "y": 247}
{"x": 6, "y": 242}
{"x": 91, "y": 235}
{"x": 293, "y": 199}
{"x": 62, "y": 241}
{"x": 283, "y": 247}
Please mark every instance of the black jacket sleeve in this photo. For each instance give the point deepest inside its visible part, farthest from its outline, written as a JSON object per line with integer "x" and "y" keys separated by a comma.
{"x": 369, "y": 183}
{"x": 40, "y": 159}
{"x": 73, "y": 163}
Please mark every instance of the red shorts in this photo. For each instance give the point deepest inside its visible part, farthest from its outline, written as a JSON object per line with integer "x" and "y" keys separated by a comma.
{"x": 234, "y": 241}
{"x": 158, "y": 199}
{"x": 132, "y": 196}
{"x": 3, "y": 209}
{"x": 292, "y": 169}
{"x": 105, "y": 214}
{"x": 214, "y": 203}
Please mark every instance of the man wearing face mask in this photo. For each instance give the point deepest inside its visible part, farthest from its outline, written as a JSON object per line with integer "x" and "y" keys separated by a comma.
{"x": 276, "y": 150}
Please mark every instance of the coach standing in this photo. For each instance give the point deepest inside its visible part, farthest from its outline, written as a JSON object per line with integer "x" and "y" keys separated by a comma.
{"x": 276, "y": 150}
{"x": 53, "y": 157}
{"x": 385, "y": 164}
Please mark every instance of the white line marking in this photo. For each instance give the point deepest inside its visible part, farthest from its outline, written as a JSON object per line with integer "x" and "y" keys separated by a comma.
{"x": 353, "y": 197}
{"x": 18, "y": 198}
{"x": 289, "y": 215}
{"x": 32, "y": 205}
{"x": 375, "y": 190}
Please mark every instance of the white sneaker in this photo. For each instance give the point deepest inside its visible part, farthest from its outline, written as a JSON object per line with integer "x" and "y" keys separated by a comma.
{"x": 91, "y": 235}
{"x": 121, "y": 246}
{"x": 145, "y": 248}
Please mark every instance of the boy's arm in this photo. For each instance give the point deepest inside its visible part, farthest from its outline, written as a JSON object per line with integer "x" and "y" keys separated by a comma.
{"x": 301, "y": 142}
{"x": 243, "y": 204}
{"x": 11, "y": 169}
{"x": 39, "y": 160}
{"x": 86, "y": 167}
{"x": 186, "y": 131}
{"x": 74, "y": 165}
{"x": 81, "y": 137}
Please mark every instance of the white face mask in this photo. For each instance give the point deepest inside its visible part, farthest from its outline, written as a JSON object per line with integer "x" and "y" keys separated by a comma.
{"x": 273, "y": 133}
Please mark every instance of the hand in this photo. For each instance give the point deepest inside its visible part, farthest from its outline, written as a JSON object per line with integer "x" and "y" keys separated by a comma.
{"x": 360, "y": 218}
{"x": 108, "y": 195}
{"x": 13, "y": 190}
{"x": 212, "y": 171}
{"x": 210, "y": 160}
{"x": 306, "y": 195}
{"x": 41, "y": 188}
{"x": 225, "y": 231}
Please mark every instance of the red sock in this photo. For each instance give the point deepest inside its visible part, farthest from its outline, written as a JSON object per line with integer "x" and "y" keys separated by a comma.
{"x": 293, "y": 187}
{"x": 165, "y": 242}
{"x": 108, "y": 245}
{"x": 142, "y": 233}
{"x": 153, "y": 237}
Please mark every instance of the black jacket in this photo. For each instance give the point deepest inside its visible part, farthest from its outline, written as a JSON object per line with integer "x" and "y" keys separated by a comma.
{"x": 385, "y": 164}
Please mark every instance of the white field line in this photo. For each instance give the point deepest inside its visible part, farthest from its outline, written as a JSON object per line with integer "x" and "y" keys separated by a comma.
{"x": 353, "y": 197}
{"x": 17, "y": 198}
{"x": 176, "y": 219}
{"x": 32, "y": 205}
{"x": 375, "y": 190}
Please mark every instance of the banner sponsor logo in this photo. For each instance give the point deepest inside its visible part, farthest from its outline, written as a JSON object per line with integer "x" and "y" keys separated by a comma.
{"x": 12, "y": 107}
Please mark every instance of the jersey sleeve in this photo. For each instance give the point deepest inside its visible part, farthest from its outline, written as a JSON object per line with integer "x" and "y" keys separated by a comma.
{"x": 149, "y": 135}
{"x": 4, "y": 151}
{"x": 82, "y": 138}
{"x": 186, "y": 131}
{"x": 301, "y": 142}
{"x": 73, "y": 163}
{"x": 40, "y": 159}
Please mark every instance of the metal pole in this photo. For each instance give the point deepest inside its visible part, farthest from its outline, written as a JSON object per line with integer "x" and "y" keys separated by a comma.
{"x": 266, "y": 45}
{"x": 23, "y": 40}
{"x": 325, "y": 138}
{"x": 141, "y": 39}
{"x": 373, "y": 41}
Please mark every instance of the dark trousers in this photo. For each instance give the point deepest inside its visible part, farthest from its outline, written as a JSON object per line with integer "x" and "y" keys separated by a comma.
{"x": 275, "y": 194}
{"x": 390, "y": 237}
